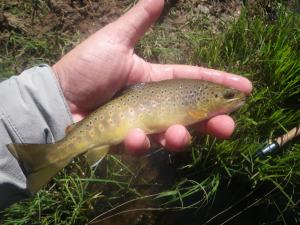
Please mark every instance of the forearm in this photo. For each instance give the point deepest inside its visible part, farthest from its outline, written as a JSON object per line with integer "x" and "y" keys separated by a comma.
{"x": 30, "y": 104}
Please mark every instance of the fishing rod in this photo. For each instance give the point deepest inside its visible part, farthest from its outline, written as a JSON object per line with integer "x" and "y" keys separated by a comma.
{"x": 278, "y": 142}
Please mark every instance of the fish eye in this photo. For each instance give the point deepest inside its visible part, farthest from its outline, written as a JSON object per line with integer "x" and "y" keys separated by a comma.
{"x": 229, "y": 94}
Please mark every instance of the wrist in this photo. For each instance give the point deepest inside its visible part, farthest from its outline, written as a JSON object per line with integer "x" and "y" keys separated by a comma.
{"x": 76, "y": 115}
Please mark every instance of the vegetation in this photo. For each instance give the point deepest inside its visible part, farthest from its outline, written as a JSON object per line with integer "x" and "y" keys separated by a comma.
{"x": 217, "y": 182}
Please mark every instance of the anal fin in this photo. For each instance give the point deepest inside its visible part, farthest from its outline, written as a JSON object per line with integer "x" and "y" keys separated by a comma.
{"x": 96, "y": 154}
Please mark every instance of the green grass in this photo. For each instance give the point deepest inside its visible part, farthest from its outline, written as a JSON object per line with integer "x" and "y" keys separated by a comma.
{"x": 22, "y": 51}
{"x": 265, "y": 51}
{"x": 25, "y": 39}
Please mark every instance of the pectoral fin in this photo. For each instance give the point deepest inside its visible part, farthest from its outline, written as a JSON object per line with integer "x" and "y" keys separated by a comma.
{"x": 198, "y": 114}
{"x": 95, "y": 155}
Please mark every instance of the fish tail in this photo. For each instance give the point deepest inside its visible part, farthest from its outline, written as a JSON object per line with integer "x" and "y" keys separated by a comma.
{"x": 38, "y": 163}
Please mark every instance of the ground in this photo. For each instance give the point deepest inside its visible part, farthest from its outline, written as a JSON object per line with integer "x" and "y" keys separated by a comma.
{"x": 45, "y": 30}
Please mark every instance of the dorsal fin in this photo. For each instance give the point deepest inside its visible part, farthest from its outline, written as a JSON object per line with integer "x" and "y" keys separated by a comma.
{"x": 96, "y": 154}
{"x": 132, "y": 87}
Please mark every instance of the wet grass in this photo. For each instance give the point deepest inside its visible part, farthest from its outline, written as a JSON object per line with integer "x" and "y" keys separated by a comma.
{"x": 217, "y": 182}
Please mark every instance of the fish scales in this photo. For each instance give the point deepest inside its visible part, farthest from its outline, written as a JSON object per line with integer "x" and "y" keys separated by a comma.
{"x": 140, "y": 109}
{"x": 152, "y": 107}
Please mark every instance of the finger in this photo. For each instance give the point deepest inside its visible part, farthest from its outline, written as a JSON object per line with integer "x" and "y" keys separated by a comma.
{"x": 136, "y": 142}
{"x": 133, "y": 24}
{"x": 175, "y": 138}
{"x": 162, "y": 72}
{"x": 221, "y": 126}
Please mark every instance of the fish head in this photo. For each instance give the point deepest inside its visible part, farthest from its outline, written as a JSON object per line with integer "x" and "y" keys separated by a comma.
{"x": 233, "y": 99}
{"x": 222, "y": 100}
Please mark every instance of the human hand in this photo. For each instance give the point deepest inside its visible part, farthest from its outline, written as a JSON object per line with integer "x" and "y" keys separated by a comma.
{"x": 104, "y": 63}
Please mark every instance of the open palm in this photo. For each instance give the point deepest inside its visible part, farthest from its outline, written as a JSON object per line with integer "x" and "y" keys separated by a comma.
{"x": 100, "y": 66}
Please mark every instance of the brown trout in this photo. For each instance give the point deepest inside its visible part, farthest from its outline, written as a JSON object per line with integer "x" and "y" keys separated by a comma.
{"x": 152, "y": 107}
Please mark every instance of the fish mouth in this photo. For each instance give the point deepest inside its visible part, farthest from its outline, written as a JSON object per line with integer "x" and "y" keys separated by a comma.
{"x": 237, "y": 103}
{"x": 231, "y": 106}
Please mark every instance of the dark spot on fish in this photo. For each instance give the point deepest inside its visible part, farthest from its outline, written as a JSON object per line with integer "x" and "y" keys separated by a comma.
{"x": 216, "y": 95}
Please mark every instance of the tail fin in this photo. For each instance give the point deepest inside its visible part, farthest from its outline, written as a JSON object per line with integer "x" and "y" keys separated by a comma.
{"x": 39, "y": 162}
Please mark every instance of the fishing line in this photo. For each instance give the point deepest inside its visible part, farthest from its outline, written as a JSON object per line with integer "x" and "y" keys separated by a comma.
{"x": 137, "y": 210}
{"x": 241, "y": 211}
{"x": 228, "y": 208}
{"x": 119, "y": 206}
{"x": 94, "y": 220}
{"x": 248, "y": 207}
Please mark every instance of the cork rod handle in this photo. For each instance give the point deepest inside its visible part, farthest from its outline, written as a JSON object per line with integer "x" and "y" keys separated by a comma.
{"x": 282, "y": 140}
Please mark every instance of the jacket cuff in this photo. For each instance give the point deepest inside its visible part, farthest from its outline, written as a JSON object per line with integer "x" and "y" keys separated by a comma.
{"x": 32, "y": 103}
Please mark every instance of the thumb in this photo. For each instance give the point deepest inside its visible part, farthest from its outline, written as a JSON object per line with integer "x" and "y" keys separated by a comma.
{"x": 132, "y": 25}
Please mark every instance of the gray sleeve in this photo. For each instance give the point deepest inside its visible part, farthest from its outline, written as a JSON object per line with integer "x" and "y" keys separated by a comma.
{"x": 31, "y": 106}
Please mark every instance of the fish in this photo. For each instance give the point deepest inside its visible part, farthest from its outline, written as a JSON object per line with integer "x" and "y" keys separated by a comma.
{"x": 152, "y": 106}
